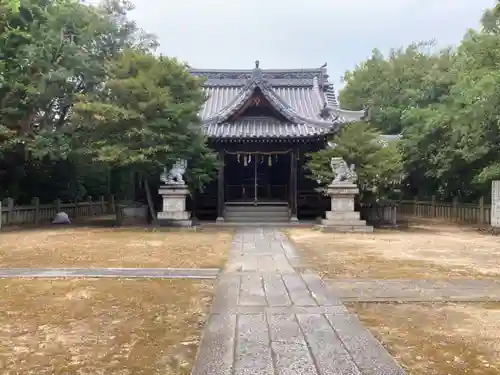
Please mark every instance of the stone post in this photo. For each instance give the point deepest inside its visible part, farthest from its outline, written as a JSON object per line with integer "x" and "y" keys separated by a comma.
{"x": 342, "y": 217}
{"x": 174, "y": 206}
{"x": 495, "y": 204}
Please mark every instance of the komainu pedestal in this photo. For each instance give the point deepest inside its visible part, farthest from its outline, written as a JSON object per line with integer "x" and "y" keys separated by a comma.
{"x": 342, "y": 217}
{"x": 174, "y": 206}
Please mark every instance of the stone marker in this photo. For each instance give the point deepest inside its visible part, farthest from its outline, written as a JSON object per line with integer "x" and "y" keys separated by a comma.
{"x": 495, "y": 204}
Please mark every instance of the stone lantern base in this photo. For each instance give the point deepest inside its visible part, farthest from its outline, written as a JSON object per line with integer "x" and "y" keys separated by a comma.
{"x": 342, "y": 217}
{"x": 174, "y": 206}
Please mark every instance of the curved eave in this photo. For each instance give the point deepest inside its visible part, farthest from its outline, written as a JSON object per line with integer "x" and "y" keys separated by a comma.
{"x": 384, "y": 139}
{"x": 257, "y": 128}
{"x": 346, "y": 116}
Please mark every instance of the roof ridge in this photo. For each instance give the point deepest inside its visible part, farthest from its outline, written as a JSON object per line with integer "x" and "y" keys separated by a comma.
{"x": 239, "y": 77}
{"x": 194, "y": 70}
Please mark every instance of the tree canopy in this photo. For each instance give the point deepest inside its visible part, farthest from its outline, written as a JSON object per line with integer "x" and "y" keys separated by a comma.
{"x": 379, "y": 164}
{"x": 444, "y": 103}
{"x": 80, "y": 85}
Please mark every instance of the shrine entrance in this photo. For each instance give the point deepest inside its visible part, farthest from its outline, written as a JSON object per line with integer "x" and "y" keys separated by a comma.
{"x": 258, "y": 177}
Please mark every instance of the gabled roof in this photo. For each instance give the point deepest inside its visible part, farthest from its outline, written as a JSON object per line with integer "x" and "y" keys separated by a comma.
{"x": 304, "y": 97}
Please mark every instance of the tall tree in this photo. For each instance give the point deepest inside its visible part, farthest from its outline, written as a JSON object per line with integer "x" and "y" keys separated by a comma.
{"x": 146, "y": 116}
{"x": 52, "y": 52}
{"x": 378, "y": 164}
{"x": 413, "y": 77}
{"x": 456, "y": 140}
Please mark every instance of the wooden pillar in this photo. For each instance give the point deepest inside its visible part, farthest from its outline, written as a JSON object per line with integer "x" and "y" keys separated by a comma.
{"x": 454, "y": 208}
{"x": 293, "y": 183}
{"x": 481, "y": 211}
{"x": 220, "y": 189}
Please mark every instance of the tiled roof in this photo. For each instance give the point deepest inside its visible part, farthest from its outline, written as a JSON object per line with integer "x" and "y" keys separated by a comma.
{"x": 262, "y": 127}
{"x": 304, "y": 97}
{"x": 330, "y": 96}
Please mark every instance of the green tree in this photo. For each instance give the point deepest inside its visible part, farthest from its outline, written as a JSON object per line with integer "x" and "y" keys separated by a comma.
{"x": 408, "y": 92}
{"x": 408, "y": 78}
{"x": 146, "y": 117}
{"x": 455, "y": 142}
{"x": 378, "y": 164}
{"x": 53, "y": 51}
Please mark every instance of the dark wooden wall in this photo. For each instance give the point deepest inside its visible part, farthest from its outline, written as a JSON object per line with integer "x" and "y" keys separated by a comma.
{"x": 304, "y": 200}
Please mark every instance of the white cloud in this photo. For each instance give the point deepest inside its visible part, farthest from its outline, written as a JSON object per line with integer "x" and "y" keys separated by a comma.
{"x": 298, "y": 33}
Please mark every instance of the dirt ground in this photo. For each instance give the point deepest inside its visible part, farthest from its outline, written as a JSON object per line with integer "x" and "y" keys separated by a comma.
{"x": 114, "y": 247}
{"x": 437, "y": 339}
{"x": 423, "y": 251}
{"x": 94, "y": 327}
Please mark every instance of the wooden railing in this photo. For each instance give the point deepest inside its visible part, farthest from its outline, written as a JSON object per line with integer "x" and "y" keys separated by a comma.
{"x": 470, "y": 213}
{"x": 12, "y": 214}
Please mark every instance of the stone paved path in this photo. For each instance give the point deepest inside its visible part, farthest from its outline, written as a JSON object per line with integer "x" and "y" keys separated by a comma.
{"x": 269, "y": 319}
{"x": 377, "y": 290}
{"x": 165, "y": 273}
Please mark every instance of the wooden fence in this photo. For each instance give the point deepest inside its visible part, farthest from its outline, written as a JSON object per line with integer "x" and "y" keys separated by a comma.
{"x": 11, "y": 214}
{"x": 470, "y": 213}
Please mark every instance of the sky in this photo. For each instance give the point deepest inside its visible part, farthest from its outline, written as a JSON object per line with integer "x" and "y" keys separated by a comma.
{"x": 225, "y": 34}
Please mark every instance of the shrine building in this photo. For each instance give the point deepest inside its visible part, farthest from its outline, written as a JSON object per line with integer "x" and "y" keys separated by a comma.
{"x": 262, "y": 123}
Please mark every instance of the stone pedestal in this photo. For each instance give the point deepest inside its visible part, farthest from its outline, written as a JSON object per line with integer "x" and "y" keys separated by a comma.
{"x": 174, "y": 206}
{"x": 342, "y": 217}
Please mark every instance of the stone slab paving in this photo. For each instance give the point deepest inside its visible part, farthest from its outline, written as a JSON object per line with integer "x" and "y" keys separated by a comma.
{"x": 268, "y": 318}
{"x": 164, "y": 273}
{"x": 379, "y": 290}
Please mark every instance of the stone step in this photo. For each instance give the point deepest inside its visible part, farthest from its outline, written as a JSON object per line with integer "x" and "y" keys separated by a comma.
{"x": 344, "y": 228}
{"x": 256, "y": 209}
{"x": 260, "y": 224}
{"x": 264, "y": 213}
{"x": 344, "y": 222}
{"x": 264, "y": 219}
{"x": 255, "y": 213}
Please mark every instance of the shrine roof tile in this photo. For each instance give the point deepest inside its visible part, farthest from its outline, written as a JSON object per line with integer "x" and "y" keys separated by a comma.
{"x": 302, "y": 95}
{"x": 262, "y": 127}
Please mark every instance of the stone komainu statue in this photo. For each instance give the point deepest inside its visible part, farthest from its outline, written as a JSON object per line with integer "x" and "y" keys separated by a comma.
{"x": 343, "y": 173}
{"x": 176, "y": 174}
